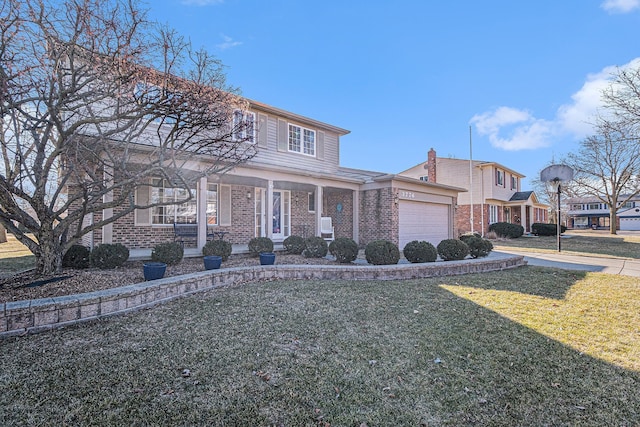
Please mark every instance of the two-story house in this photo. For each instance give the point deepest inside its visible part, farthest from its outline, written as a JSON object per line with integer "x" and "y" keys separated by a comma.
{"x": 493, "y": 193}
{"x": 293, "y": 182}
{"x": 591, "y": 212}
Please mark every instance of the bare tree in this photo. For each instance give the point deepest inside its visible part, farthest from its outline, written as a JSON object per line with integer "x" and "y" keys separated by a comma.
{"x": 607, "y": 166}
{"x": 94, "y": 101}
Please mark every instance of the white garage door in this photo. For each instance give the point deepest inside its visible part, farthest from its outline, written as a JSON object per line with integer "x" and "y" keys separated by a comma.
{"x": 630, "y": 224}
{"x": 423, "y": 221}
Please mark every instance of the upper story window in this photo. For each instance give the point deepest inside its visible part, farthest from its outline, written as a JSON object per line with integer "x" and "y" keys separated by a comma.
{"x": 424, "y": 178}
{"x": 514, "y": 182}
{"x": 628, "y": 205}
{"x": 593, "y": 206}
{"x": 244, "y": 126}
{"x": 302, "y": 140}
{"x": 576, "y": 207}
{"x": 500, "y": 178}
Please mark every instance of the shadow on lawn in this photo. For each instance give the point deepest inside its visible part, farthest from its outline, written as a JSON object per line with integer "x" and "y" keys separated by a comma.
{"x": 548, "y": 282}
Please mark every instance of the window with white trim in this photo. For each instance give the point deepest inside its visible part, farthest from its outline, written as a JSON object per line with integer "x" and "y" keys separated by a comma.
{"x": 424, "y": 178}
{"x": 312, "y": 201}
{"x": 302, "y": 140}
{"x": 493, "y": 214}
{"x": 212, "y": 204}
{"x": 244, "y": 126}
{"x": 184, "y": 213}
{"x": 499, "y": 178}
{"x": 514, "y": 182}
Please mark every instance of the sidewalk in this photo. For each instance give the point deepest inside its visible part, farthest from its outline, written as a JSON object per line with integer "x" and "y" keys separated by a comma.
{"x": 621, "y": 266}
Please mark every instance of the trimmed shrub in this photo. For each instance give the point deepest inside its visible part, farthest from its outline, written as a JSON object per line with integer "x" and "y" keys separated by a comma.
{"x": 109, "y": 255}
{"x": 541, "y": 229}
{"x": 479, "y": 247}
{"x": 77, "y": 256}
{"x": 422, "y": 251}
{"x": 452, "y": 249}
{"x": 170, "y": 253}
{"x": 315, "y": 247}
{"x": 344, "y": 249}
{"x": 382, "y": 252}
{"x": 506, "y": 229}
{"x": 221, "y": 248}
{"x": 258, "y": 245}
{"x": 294, "y": 245}
{"x": 466, "y": 236}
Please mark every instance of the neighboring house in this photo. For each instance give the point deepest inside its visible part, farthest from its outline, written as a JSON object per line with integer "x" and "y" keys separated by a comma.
{"x": 493, "y": 190}
{"x": 591, "y": 212}
{"x": 293, "y": 182}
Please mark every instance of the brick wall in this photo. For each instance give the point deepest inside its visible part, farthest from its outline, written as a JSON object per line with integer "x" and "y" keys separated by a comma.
{"x": 378, "y": 216}
{"x": 463, "y": 218}
{"x": 303, "y": 222}
{"x": 342, "y": 221}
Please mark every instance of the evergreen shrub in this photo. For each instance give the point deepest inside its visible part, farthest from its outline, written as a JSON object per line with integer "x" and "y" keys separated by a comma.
{"x": 258, "y": 245}
{"x": 452, "y": 249}
{"x": 109, "y": 255}
{"x": 77, "y": 256}
{"x": 344, "y": 249}
{"x": 506, "y": 229}
{"x": 170, "y": 253}
{"x": 420, "y": 251}
{"x": 382, "y": 252}
{"x": 220, "y": 248}
{"x": 479, "y": 247}
{"x": 315, "y": 247}
{"x": 294, "y": 245}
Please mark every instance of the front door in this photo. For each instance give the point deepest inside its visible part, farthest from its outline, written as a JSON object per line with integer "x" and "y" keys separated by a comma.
{"x": 281, "y": 221}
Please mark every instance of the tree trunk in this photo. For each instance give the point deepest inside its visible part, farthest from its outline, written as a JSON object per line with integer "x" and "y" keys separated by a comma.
{"x": 48, "y": 255}
{"x": 613, "y": 213}
{"x": 3, "y": 234}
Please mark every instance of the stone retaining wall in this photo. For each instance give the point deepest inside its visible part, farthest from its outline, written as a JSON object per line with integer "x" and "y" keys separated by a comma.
{"x": 32, "y": 316}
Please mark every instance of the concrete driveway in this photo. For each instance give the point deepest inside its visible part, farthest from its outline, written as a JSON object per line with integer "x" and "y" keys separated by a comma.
{"x": 621, "y": 266}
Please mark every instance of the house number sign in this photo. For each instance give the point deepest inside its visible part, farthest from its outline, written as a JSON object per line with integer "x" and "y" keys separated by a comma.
{"x": 407, "y": 194}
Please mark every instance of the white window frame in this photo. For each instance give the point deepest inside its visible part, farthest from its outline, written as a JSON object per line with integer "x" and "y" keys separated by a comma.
{"x": 212, "y": 210}
{"x": 160, "y": 190}
{"x": 302, "y": 145}
{"x": 424, "y": 178}
{"x": 248, "y": 132}
{"x": 493, "y": 214}
{"x": 514, "y": 182}
{"x": 499, "y": 178}
{"x": 311, "y": 201}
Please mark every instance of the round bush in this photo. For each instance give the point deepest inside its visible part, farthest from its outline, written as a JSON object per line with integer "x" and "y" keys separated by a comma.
{"x": 220, "y": 248}
{"x": 109, "y": 255}
{"x": 294, "y": 245}
{"x": 170, "y": 253}
{"x": 315, "y": 247}
{"x": 382, "y": 252}
{"x": 344, "y": 249}
{"x": 77, "y": 256}
{"x": 452, "y": 249}
{"x": 416, "y": 251}
{"x": 479, "y": 247}
{"x": 466, "y": 236}
{"x": 258, "y": 245}
{"x": 506, "y": 229}
{"x": 541, "y": 229}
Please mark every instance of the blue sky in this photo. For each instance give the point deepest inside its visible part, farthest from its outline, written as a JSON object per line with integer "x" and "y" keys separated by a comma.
{"x": 407, "y": 75}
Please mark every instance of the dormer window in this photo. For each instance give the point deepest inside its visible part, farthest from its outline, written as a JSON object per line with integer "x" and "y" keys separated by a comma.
{"x": 499, "y": 178}
{"x": 514, "y": 182}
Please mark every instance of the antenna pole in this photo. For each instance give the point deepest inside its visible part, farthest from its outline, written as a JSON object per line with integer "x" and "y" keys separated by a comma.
{"x": 471, "y": 178}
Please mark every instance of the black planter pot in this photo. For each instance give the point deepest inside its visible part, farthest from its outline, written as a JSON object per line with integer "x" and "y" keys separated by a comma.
{"x": 154, "y": 270}
{"x": 212, "y": 262}
{"x": 267, "y": 258}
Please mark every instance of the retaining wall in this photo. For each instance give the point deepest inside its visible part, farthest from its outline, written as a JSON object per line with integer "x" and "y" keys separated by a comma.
{"x": 32, "y": 316}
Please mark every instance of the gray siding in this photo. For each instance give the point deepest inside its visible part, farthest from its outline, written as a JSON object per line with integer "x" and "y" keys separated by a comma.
{"x": 327, "y": 148}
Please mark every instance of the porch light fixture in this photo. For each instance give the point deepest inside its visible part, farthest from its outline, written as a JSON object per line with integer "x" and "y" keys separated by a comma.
{"x": 396, "y": 199}
{"x": 248, "y": 194}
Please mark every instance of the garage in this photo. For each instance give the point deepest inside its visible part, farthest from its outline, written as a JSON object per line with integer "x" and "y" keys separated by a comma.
{"x": 630, "y": 220}
{"x": 423, "y": 221}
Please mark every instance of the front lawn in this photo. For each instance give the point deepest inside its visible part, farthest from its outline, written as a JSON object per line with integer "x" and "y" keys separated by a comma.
{"x": 599, "y": 242}
{"x": 528, "y": 347}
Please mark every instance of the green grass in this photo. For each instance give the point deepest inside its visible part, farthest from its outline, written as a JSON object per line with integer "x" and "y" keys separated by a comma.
{"x": 14, "y": 257}
{"x": 528, "y": 347}
{"x": 579, "y": 242}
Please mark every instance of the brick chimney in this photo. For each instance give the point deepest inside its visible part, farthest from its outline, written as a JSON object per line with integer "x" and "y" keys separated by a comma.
{"x": 431, "y": 165}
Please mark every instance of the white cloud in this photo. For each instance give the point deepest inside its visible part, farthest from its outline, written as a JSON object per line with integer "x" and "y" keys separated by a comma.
{"x": 620, "y": 6}
{"x": 513, "y": 129}
{"x": 201, "y": 2}
{"x": 523, "y": 131}
{"x": 227, "y": 43}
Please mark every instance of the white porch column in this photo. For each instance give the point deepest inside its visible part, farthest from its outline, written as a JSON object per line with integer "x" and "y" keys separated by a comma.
{"x": 356, "y": 216}
{"x": 107, "y": 230}
{"x": 201, "y": 206}
{"x": 269, "y": 216}
{"x": 319, "y": 208}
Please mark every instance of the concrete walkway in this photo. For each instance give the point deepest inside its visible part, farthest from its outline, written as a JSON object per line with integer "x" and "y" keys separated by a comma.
{"x": 621, "y": 266}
